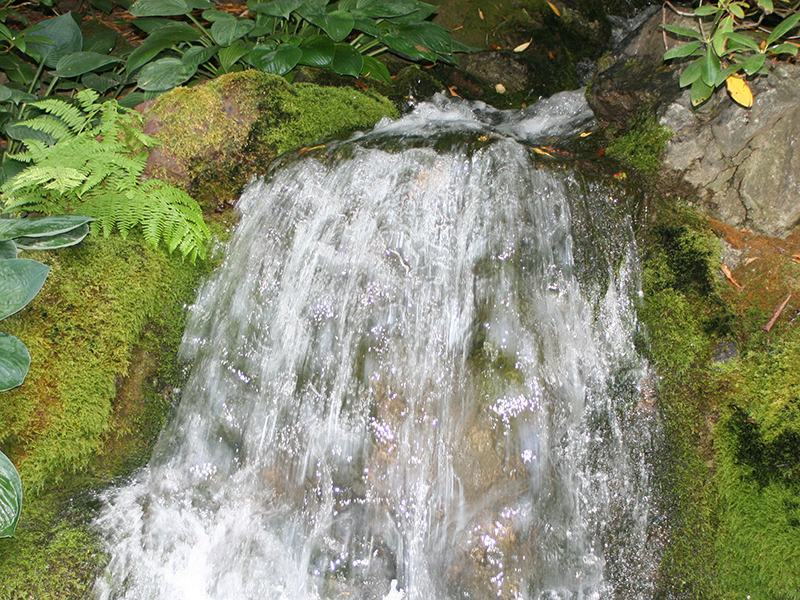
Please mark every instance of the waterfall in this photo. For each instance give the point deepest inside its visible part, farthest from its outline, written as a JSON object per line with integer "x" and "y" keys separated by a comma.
{"x": 416, "y": 363}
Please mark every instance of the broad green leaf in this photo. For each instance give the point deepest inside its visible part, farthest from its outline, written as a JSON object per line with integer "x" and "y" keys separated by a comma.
{"x": 707, "y": 10}
{"x": 8, "y": 249}
{"x": 279, "y": 61}
{"x": 419, "y": 15}
{"x": 766, "y": 5}
{"x": 20, "y": 281}
{"x": 132, "y": 99}
{"x": 64, "y": 35}
{"x": 681, "y": 51}
{"x": 10, "y": 168}
{"x": 213, "y": 15}
{"x": 785, "y": 48}
{"x": 164, "y": 74}
{"x": 375, "y": 69}
{"x": 753, "y": 63}
{"x": 5, "y": 93}
{"x": 742, "y": 40}
{"x": 783, "y": 28}
{"x": 692, "y": 72}
{"x": 384, "y": 8}
{"x": 102, "y": 42}
{"x": 276, "y": 8}
{"x": 230, "y": 56}
{"x": 337, "y": 24}
{"x": 197, "y": 55}
{"x": 700, "y": 92}
{"x": 40, "y": 226}
{"x": 10, "y": 497}
{"x": 160, "y": 40}
{"x": 160, "y": 8}
{"x": 684, "y": 31}
{"x": 736, "y": 10}
{"x": 346, "y": 60}
{"x": 226, "y": 32}
{"x": 15, "y": 361}
{"x": 367, "y": 26}
{"x": 102, "y": 82}
{"x": 425, "y": 37}
{"x": 711, "y": 67}
{"x": 20, "y": 132}
{"x": 79, "y": 63}
{"x": 54, "y": 242}
{"x": 317, "y": 51}
{"x": 719, "y": 39}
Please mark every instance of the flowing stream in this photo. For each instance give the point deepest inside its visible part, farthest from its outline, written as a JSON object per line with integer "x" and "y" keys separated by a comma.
{"x": 416, "y": 363}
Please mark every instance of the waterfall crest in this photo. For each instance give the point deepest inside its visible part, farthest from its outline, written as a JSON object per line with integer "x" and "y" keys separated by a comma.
{"x": 417, "y": 362}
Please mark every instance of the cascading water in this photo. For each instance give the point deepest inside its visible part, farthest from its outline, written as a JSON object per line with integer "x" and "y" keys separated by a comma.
{"x": 416, "y": 363}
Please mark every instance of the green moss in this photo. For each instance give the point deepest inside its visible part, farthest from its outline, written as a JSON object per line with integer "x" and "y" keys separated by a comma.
{"x": 217, "y": 135}
{"x": 103, "y": 334}
{"x": 642, "y": 145}
{"x": 733, "y": 430}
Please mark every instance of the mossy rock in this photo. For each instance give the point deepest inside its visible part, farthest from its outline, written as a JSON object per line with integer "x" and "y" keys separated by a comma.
{"x": 215, "y": 136}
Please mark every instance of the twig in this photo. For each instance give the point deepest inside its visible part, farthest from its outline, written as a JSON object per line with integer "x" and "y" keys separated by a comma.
{"x": 776, "y": 314}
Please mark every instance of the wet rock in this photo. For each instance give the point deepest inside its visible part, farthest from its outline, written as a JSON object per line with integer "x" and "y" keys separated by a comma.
{"x": 743, "y": 163}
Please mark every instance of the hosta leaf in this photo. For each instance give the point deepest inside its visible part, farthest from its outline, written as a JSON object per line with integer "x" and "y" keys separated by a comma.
{"x": 10, "y": 497}
{"x": 102, "y": 82}
{"x": 317, "y": 51}
{"x": 8, "y": 249}
{"x": 681, "y": 51}
{"x": 20, "y": 281}
{"x": 231, "y": 55}
{"x": 102, "y": 42}
{"x": 160, "y": 8}
{"x": 79, "y": 63}
{"x": 15, "y": 361}
{"x": 226, "y": 32}
{"x": 212, "y": 15}
{"x": 337, "y": 24}
{"x": 378, "y": 9}
{"x": 277, "y": 8}
{"x": 64, "y": 35}
{"x": 54, "y": 242}
{"x": 375, "y": 69}
{"x": 197, "y": 55}
{"x": 159, "y": 40}
{"x": 164, "y": 74}
{"x": 279, "y": 61}
{"x": 40, "y": 226}
{"x": 346, "y": 60}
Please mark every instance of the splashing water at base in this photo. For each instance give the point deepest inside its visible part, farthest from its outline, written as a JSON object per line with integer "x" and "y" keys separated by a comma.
{"x": 415, "y": 364}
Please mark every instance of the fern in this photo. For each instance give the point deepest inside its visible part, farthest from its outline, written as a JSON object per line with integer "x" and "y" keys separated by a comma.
{"x": 95, "y": 167}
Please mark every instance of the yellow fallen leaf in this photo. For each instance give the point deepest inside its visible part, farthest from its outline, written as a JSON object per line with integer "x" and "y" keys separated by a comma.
{"x": 523, "y": 47}
{"x": 750, "y": 260}
{"x": 739, "y": 91}
{"x": 500, "y": 88}
{"x": 480, "y": 14}
{"x": 586, "y": 133}
{"x": 540, "y": 151}
{"x": 555, "y": 8}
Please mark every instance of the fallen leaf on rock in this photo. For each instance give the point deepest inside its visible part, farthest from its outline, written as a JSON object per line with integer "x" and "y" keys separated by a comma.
{"x": 729, "y": 275}
{"x": 739, "y": 91}
{"x": 523, "y": 47}
{"x": 750, "y": 260}
{"x": 480, "y": 14}
{"x": 500, "y": 88}
{"x": 540, "y": 151}
{"x": 555, "y": 8}
{"x": 452, "y": 89}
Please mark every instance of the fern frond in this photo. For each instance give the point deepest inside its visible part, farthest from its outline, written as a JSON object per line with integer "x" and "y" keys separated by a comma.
{"x": 86, "y": 98}
{"x": 59, "y": 179}
{"x": 49, "y": 125}
{"x": 72, "y": 116}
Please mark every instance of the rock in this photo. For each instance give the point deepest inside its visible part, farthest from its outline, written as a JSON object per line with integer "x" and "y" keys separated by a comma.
{"x": 743, "y": 163}
{"x": 634, "y": 77}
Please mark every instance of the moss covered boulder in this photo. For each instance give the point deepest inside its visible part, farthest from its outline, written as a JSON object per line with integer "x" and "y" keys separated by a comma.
{"x": 215, "y": 136}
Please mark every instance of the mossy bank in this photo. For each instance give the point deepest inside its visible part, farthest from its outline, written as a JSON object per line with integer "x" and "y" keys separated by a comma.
{"x": 729, "y": 393}
{"x": 104, "y": 331}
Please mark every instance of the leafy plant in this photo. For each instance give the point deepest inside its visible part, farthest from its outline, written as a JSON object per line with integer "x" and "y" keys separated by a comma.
{"x": 90, "y": 157}
{"x": 280, "y": 35}
{"x": 732, "y": 37}
{"x": 20, "y": 281}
